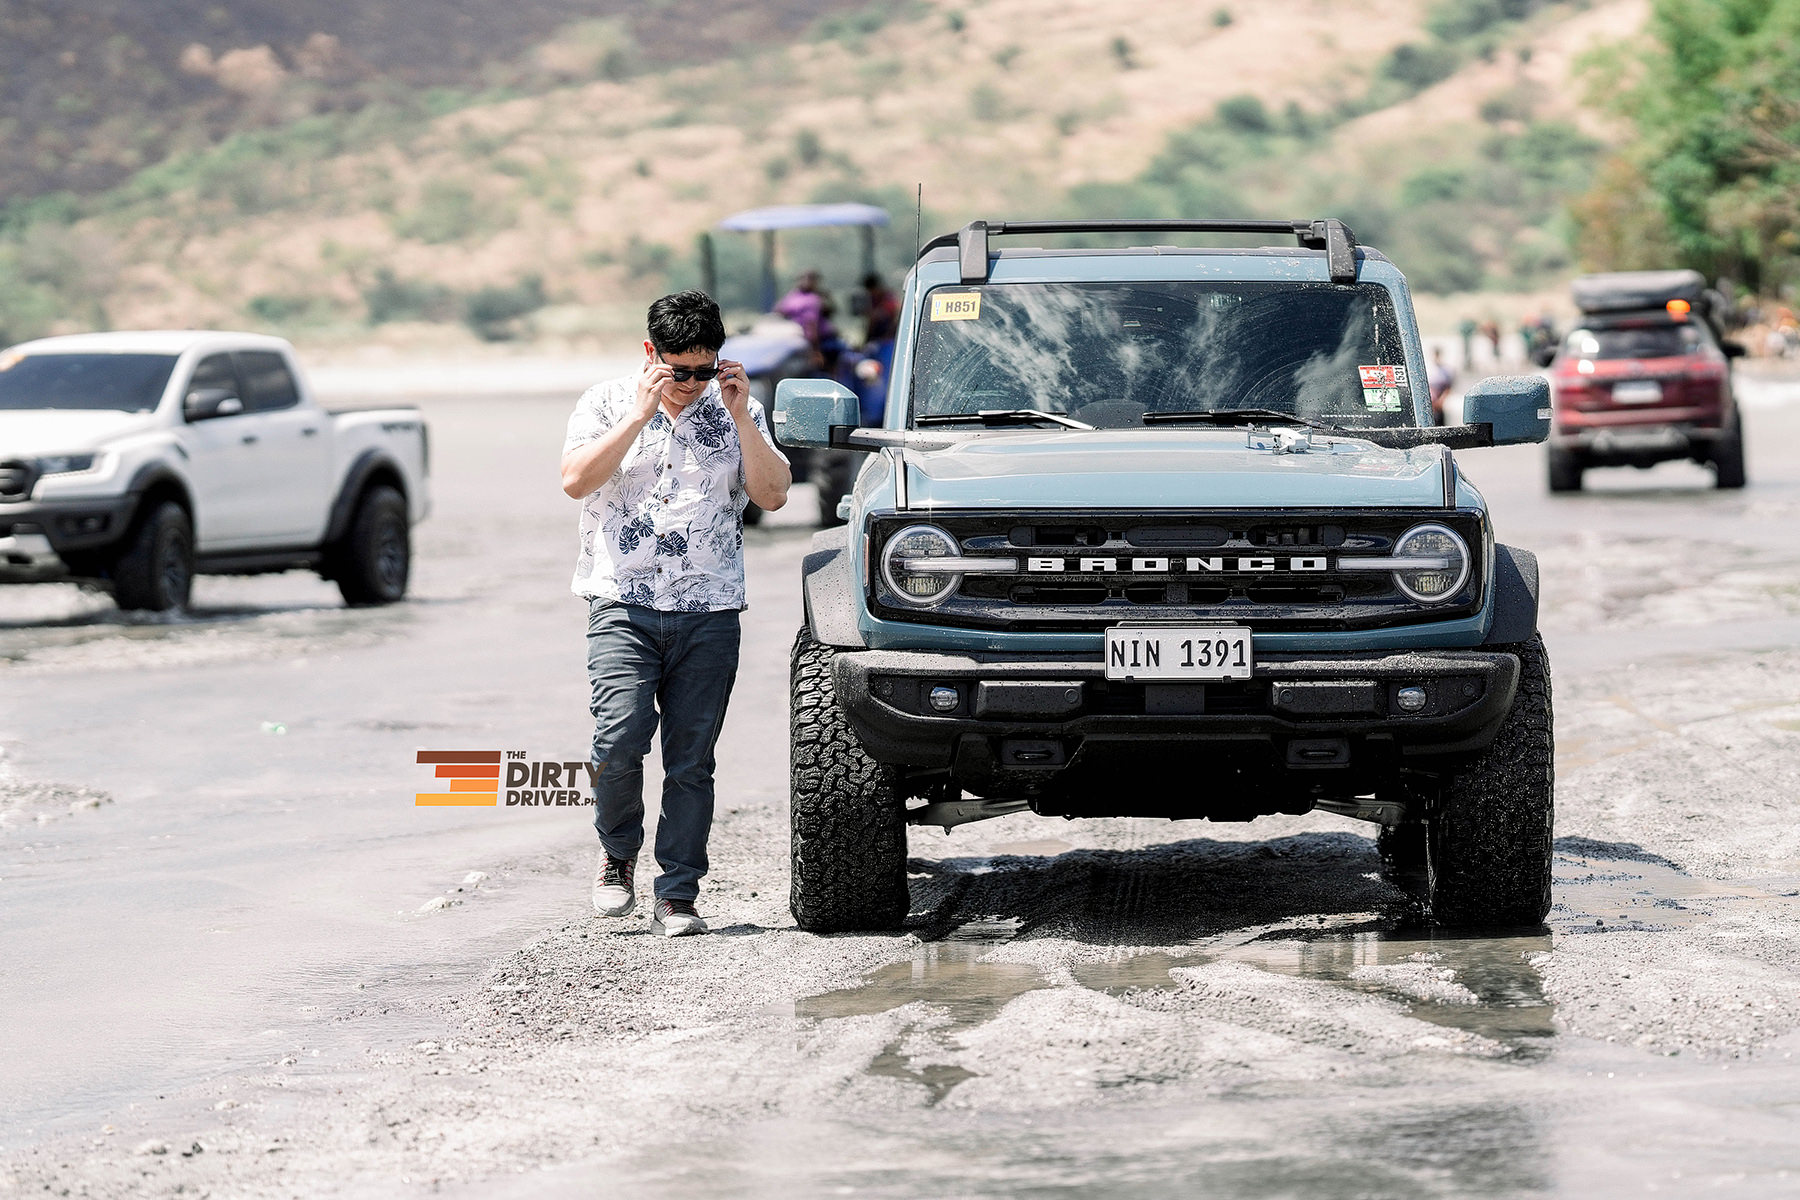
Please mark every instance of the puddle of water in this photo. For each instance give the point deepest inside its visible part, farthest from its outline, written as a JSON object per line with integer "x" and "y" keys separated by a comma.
{"x": 1484, "y": 985}
{"x": 947, "y": 975}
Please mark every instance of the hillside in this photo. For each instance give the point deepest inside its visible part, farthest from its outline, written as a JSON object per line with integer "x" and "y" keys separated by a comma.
{"x": 95, "y": 90}
{"x": 1453, "y": 146}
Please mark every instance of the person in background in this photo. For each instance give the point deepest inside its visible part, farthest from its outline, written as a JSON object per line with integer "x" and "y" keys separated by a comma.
{"x": 805, "y": 306}
{"x": 881, "y": 312}
{"x": 1441, "y": 378}
{"x": 664, "y": 462}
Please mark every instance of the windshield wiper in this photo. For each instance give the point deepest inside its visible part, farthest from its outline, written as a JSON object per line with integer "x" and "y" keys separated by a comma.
{"x": 1001, "y": 416}
{"x": 1233, "y": 416}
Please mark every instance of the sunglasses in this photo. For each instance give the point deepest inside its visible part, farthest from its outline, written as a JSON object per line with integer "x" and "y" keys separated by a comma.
{"x": 683, "y": 374}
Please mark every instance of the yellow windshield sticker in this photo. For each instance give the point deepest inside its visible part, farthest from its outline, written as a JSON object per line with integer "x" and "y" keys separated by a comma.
{"x": 956, "y": 306}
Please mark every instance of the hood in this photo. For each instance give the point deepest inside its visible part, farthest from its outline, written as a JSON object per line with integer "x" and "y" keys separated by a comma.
{"x": 26, "y": 433}
{"x": 1169, "y": 468}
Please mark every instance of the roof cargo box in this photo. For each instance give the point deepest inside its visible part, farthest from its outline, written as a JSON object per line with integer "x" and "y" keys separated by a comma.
{"x": 1624, "y": 291}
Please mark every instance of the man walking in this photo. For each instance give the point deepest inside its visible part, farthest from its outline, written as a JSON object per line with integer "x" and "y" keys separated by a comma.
{"x": 664, "y": 462}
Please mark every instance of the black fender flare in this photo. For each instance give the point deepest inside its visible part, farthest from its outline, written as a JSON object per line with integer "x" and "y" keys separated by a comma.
{"x": 156, "y": 478}
{"x": 1515, "y": 596}
{"x": 829, "y": 590}
{"x": 367, "y": 466}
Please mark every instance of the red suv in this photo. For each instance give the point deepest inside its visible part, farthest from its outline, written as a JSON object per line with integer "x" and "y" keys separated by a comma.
{"x": 1644, "y": 376}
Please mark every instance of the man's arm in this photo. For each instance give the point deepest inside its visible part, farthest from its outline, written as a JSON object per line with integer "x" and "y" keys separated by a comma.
{"x": 591, "y": 464}
{"x": 766, "y": 474}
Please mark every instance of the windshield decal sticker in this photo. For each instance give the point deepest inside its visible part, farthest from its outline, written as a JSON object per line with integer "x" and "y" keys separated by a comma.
{"x": 1381, "y": 399}
{"x": 956, "y": 306}
{"x": 1382, "y": 377}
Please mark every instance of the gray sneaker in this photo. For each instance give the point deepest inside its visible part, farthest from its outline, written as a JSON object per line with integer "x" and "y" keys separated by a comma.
{"x": 614, "y": 895}
{"x": 676, "y": 918}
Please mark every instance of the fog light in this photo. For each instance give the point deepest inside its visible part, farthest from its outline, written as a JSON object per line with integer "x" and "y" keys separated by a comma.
{"x": 1410, "y": 699}
{"x": 944, "y": 699}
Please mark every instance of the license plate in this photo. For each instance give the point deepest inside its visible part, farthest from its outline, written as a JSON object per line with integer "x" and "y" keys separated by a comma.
{"x": 1178, "y": 652}
{"x": 1637, "y": 391}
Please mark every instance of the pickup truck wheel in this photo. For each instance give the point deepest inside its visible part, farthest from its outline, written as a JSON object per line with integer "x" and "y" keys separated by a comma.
{"x": 1488, "y": 841}
{"x": 155, "y": 570}
{"x": 1728, "y": 456}
{"x": 372, "y": 563}
{"x": 1565, "y": 470}
{"x": 849, "y": 819}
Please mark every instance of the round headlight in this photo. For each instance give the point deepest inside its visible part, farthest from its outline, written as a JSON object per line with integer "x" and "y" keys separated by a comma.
{"x": 910, "y": 549}
{"x": 1446, "y": 571}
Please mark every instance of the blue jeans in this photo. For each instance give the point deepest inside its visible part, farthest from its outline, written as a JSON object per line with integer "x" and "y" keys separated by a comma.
{"x": 640, "y": 661}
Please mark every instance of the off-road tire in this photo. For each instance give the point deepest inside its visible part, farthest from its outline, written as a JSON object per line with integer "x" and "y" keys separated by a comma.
{"x": 849, "y": 819}
{"x": 1728, "y": 456}
{"x": 155, "y": 569}
{"x": 1488, "y": 838}
{"x": 1565, "y": 468}
{"x": 372, "y": 563}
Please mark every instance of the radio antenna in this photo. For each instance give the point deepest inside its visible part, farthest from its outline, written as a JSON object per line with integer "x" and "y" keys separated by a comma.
{"x": 919, "y": 220}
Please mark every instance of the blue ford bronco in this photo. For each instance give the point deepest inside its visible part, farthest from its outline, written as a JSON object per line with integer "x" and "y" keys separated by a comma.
{"x": 1167, "y": 532}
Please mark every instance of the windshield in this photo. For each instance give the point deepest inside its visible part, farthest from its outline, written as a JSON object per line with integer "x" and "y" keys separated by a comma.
{"x": 1108, "y": 354}
{"x": 1644, "y": 341}
{"x": 128, "y": 382}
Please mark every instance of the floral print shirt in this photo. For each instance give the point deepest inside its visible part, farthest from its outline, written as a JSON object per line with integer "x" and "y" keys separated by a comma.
{"x": 667, "y": 530}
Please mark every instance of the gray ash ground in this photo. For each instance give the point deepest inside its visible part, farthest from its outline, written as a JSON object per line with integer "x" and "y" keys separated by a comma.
{"x": 1125, "y": 1008}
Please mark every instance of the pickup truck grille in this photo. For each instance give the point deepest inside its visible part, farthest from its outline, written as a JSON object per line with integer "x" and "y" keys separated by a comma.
{"x": 1289, "y": 571}
{"x": 16, "y": 479}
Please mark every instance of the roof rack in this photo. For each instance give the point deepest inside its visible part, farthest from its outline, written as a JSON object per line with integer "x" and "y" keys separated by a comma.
{"x": 1328, "y": 234}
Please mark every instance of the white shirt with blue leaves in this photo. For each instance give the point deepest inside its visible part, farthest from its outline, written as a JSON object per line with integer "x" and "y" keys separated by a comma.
{"x": 667, "y": 530}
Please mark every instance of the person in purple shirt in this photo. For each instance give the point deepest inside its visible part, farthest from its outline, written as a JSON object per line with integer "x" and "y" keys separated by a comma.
{"x": 805, "y": 307}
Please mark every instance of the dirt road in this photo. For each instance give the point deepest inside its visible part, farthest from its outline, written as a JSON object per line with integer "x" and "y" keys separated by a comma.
{"x": 240, "y": 961}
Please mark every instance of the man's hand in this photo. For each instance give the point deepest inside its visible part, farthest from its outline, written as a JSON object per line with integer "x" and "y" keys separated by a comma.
{"x": 766, "y": 476}
{"x": 652, "y": 378}
{"x": 734, "y": 390}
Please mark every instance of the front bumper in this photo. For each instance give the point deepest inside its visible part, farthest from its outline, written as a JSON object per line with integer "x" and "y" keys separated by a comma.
{"x": 53, "y": 539}
{"x": 1032, "y": 726}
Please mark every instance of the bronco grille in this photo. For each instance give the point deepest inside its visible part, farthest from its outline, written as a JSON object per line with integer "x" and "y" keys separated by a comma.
{"x": 1269, "y": 571}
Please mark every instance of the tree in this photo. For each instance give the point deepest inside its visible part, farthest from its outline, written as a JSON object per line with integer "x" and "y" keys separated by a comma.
{"x": 1713, "y": 95}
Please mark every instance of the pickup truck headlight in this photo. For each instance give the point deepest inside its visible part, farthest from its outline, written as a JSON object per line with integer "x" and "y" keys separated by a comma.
{"x": 1442, "y": 563}
{"x": 65, "y": 464}
{"x": 911, "y": 549}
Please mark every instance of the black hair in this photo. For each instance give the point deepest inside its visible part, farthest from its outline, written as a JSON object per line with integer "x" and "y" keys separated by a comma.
{"x": 685, "y": 322}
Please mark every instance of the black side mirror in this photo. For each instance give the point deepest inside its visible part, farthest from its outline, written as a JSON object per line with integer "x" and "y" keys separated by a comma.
{"x": 1733, "y": 349}
{"x": 203, "y": 404}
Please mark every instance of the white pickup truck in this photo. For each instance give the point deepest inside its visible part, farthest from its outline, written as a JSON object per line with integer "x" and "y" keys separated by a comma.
{"x": 135, "y": 460}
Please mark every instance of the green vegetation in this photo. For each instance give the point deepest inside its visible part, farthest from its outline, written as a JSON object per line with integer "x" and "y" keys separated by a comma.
{"x": 1711, "y": 178}
{"x": 49, "y": 272}
{"x": 497, "y": 314}
{"x": 390, "y": 298}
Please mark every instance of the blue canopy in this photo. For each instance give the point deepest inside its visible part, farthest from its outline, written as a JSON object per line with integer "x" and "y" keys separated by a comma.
{"x": 802, "y": 216}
